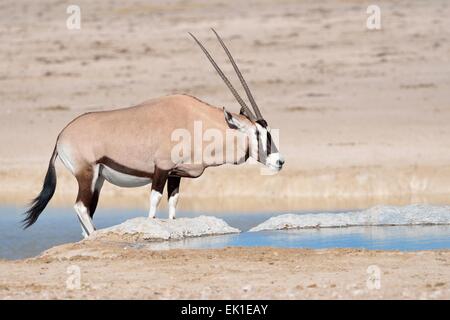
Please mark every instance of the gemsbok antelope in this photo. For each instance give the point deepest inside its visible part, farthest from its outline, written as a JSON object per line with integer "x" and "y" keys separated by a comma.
{"x": 132, "y": 147}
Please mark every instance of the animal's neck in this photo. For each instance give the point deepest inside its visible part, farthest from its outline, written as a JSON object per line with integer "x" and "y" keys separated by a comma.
{"x": 235, "y": 149}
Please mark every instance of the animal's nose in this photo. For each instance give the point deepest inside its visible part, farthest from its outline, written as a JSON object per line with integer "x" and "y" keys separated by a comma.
{"x": 280, "y": 162}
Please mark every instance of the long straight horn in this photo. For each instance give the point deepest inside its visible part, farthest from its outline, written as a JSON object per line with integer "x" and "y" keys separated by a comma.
{"x": 244, "y": 106}
{"x": 241, "y": 78}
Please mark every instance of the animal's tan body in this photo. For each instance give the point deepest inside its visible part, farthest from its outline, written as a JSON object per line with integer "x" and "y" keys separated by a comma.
{"x": 140, "y": 137}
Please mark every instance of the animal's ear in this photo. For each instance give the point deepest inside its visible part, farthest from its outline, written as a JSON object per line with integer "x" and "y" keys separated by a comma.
{"x": 233, "y": 122}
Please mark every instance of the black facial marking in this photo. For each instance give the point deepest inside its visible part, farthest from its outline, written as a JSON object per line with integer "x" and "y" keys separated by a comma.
{"x": 262, "y": 122}
{"x": 259, "y": 143}
{"x": 271, "y": 147}
{"x": 268, "y": 143}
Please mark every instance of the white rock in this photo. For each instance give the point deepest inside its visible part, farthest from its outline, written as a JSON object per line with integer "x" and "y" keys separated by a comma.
{"x": 376, "y": 216}
{"x": 143, "y": 228}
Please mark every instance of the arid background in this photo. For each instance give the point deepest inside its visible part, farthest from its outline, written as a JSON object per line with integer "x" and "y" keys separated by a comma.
{"x": 363, "y": 115}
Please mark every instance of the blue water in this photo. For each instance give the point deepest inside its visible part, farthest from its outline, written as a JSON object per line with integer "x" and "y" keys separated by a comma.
{"x": 405, "y": 238}
{"x": 58, "y": 226}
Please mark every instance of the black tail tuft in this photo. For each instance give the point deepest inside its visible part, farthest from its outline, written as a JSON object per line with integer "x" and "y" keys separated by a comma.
{"x": 40, "y": 202}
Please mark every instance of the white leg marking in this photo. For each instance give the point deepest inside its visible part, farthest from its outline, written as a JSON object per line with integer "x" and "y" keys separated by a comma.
{"x": 155, "y": 198}
{"x": 83, "y": 232}
{"x": 172, "y": 205}
{"x": 85, "y": 220}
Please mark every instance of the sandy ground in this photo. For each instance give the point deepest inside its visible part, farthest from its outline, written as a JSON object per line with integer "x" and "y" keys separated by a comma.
{"x": 364, "y": 119}
{"x": 112, "y": 271}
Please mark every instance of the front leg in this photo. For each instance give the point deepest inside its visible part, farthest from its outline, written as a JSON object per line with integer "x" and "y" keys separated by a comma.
{"x": 158, "y": 183}
{"x": 173, "y": 189}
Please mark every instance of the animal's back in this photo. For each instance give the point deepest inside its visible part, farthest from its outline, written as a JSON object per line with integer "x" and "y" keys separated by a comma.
{"x": 134, "y": 136}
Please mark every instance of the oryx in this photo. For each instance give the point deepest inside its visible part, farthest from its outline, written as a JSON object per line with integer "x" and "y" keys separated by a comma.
{"x": 132, "y": 147}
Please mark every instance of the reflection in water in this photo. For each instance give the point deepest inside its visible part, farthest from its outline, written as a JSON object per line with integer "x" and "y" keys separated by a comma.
{"x": 57, "y": 226}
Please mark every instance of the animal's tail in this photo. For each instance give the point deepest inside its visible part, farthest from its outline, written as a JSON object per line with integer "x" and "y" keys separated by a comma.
{"x": 48, "y": 189}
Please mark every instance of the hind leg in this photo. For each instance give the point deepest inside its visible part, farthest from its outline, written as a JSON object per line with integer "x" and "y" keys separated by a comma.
{"x": 89, "y": 185}
{"x": 97, "y": 188}
{"x": 87, "y": 227}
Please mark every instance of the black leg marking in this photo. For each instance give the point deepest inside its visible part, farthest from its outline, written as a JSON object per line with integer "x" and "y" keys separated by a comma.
{"x": 159, "y": 179}
{"x": 95, "y": 196}
{"x": 87, "y": 196}
{"x": 173, "y": 186}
